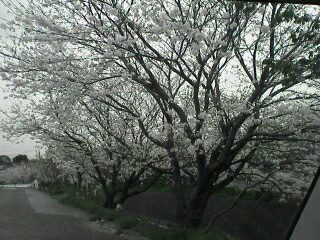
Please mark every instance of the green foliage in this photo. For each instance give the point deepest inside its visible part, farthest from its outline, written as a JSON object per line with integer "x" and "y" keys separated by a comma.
{"x": 294, "y": 70}
{"x": 289, "y": 69}
{"x": 292, "y": 13}
{"x": 287, "y": 15}
{"x": 240, "y": 5}
{"x": 249, "y": 8}
{"x": 306, "y": 65}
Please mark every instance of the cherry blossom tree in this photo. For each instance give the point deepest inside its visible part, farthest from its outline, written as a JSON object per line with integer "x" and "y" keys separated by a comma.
{"x": 23, "y": 173}
{"x": 84, "y": 138}
{"x": 210, "y": 84}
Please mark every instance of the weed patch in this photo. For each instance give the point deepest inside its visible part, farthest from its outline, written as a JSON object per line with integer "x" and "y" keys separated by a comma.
{"x": 156, "y": 233}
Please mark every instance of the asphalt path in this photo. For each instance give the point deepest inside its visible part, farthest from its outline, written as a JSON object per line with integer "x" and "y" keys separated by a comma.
{"x": 27, "y": 214}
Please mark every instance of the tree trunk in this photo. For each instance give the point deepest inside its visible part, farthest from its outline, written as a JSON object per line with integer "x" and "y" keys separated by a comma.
{"x": 108, "y": 203}
{"x": 196, "y": 208}
{"x": 79, "y": 180}
{"x": 181, "y": 206}
{"x": 179, "y": 196}
{"x": 109, "y": 198}
{"x": 124, "y": 195}
{"x": 200, "y": 197}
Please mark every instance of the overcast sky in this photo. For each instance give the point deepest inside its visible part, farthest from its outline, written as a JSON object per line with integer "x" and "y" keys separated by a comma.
{"x": 25, "y": 145}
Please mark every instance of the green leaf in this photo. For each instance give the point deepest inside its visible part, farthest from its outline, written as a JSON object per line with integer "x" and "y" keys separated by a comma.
{"x": 294, "y": 37}
{"x": 288, "y": 14}
{"x": 239, "y": 5}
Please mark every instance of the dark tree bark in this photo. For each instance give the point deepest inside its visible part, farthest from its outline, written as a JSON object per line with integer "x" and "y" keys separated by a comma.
{"x": 196, "y": 208}
{"x": 79, "y": 180}
{"x": 109, "y": 198}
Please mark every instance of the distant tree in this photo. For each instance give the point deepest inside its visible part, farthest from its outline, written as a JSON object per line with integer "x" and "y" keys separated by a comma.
{"x": 19, "y": 159}
{"x": 23, "y": 173}
{"x": 5, "y": 160}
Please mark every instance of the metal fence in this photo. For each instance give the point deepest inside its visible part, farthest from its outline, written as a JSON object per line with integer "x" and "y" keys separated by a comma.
{"x": 34, "y": 184}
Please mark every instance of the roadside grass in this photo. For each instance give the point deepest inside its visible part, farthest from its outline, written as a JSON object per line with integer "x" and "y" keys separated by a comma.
{"x": 173, "y": 233}
{"x": 226, "y": 191}
{"x": 160, "y": 188}
{"x": 69, "y": 195}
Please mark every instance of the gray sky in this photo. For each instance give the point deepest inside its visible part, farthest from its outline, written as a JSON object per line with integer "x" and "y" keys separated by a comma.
{"x": 25, "y": 145}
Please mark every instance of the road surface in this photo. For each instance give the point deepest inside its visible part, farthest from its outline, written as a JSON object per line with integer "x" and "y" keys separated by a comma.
{"x": 27, "y": 214}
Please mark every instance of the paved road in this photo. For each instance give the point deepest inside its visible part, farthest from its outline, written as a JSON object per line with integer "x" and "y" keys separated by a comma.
{"x": 26, "y": 214}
